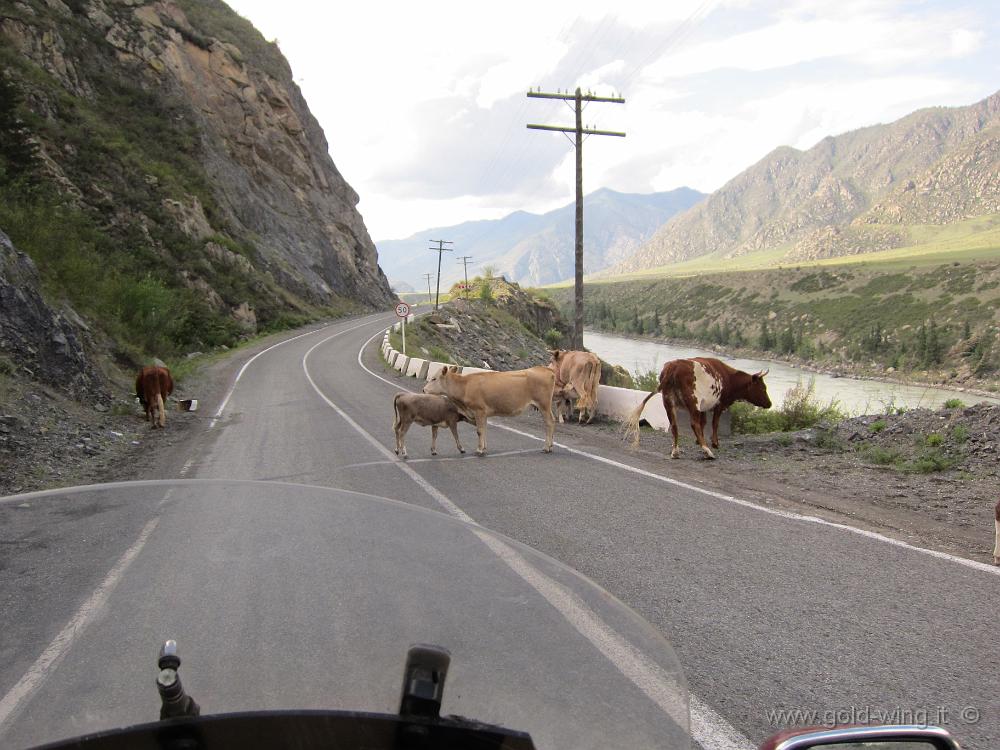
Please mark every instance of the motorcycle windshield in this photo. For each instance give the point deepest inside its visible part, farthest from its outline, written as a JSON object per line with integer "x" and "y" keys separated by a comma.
{"x": 284, "y": 596}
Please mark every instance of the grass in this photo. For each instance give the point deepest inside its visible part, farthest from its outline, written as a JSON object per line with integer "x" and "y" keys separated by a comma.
{"x": 799, "y": 410}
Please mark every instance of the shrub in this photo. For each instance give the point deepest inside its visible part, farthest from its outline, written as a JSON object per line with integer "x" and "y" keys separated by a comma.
{"x": 878, "y": 426}
{"x": 881, "y": 456}
{"x": 929, "y": 462}
{"x": 954, "y": 403}
{"x": 933, "y": 440}
{"x": 553, "y": 338}
{"x": 960, "y": 434}
{"x": 798, "y": 411}
{"x": 648, "y": 380}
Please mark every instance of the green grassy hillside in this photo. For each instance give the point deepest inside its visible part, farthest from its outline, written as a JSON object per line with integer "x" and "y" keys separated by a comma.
{"x": 911, "y": 313}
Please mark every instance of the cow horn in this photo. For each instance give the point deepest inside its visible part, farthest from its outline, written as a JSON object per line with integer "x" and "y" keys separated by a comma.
{"x": 762, "y": 373}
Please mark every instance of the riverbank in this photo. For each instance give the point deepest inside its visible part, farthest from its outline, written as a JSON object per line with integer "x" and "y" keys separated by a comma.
{"x": 673, "y": 348}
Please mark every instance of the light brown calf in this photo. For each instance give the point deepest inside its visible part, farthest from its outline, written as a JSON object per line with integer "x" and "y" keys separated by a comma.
{"x": 433, "y": 411}
{"x": 498, "y": 394}
{"x": 152, "y": 386}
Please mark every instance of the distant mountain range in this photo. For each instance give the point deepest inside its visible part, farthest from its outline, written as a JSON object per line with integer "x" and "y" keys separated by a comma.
{"x": 535, "y": 249}
{"x": 862, "y": 191}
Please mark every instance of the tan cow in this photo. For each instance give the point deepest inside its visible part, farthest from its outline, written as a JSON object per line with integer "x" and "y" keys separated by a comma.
{"x": 582, "y": 371}
{"x": 433, "y": 411}
{"x": 498, "y": 394}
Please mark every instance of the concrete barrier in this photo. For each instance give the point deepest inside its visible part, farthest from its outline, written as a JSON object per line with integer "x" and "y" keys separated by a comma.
{"x": 417, "y": 368}
{"x": 618, "y": 403}
{"x": 612, "y": 402}
{"x": 433, "y": 368}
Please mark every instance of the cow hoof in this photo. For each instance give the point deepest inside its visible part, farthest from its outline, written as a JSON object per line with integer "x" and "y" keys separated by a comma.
{"x": 996, "y": 560}
{"x": 434, "y": 453}
{"x": 397, "y": 451}
{"x": 480, "y": 453}
{"x": 547, "y": 450}
{"x": 709, "y": 456}
{"x": 461, "y": 450}
{"x": 675, "y": 454}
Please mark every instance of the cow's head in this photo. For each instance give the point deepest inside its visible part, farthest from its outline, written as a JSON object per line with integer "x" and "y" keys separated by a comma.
{"x": 437, "y": 385}
{"x": 556, "y": 355}
{"x": 757, "y": 390}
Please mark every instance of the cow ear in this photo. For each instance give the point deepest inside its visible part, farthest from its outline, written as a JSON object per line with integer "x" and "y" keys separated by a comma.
{"x": 453, "y": 368}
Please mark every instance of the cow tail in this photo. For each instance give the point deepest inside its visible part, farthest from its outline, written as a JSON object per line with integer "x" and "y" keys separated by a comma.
{"x": 632, "y": 421}
{"x": 163, "y": 412}
{"x": 395, "y": 409}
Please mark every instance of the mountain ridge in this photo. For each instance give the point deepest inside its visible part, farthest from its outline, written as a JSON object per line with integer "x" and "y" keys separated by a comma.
{"x": 538, "y": 249}
{"x": 804, "y": 199}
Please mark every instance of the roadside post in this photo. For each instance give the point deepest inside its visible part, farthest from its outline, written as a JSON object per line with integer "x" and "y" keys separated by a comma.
{"x": 402, "y": 310}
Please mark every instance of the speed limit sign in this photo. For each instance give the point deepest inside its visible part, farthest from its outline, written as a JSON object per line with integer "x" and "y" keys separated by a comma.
{"x": 402, "y": 310}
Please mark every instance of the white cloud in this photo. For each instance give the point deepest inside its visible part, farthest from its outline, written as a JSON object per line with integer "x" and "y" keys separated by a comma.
{"x": 423, "y": 103}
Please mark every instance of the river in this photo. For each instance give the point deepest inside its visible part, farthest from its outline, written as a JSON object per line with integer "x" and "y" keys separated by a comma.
{"x": 856, "y": 396}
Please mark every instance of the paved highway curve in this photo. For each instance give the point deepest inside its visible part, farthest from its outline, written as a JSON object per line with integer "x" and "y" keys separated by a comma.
{"x": 766, "y": 611}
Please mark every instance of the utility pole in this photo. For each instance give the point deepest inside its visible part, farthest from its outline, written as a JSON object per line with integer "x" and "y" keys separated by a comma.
{"x": 578, "y": 98}
{"x": 464, "y": 260}
{"x": 428, "y": 276}
{"x": 440, "y": 249}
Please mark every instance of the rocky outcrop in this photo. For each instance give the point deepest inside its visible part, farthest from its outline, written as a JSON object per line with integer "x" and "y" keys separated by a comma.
{"x": 38, "y": 341}
{"x": 264, "y": 161}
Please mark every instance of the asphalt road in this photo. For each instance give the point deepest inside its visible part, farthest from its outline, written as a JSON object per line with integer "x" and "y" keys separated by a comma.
{"x": 765, "y": 611}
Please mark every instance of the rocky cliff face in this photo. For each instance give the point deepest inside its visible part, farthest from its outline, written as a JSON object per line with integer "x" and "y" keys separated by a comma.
{"x": 933, "y": 166}
{"x": 37, "y": 341}
{"x": 206, "y": 151}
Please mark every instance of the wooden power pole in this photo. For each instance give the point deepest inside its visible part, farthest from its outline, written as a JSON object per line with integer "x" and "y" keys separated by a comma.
{"x": 578, "y": 98}
{"x": 464, "y": 260}
{"x": 429, "y": 276}
{"x": 440, "y": 249}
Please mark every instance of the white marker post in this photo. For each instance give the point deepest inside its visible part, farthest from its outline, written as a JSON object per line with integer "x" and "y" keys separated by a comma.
{"x": 402, "y": 310}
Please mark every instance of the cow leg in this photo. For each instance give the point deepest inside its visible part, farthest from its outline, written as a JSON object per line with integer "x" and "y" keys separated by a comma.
{"x": 454, "y": 432}
{"x": 400, "y": 428}
{"x": 481, "y": 431}
{"x": 550, "y": 426}
{"x": 434, "y": 439}
{"x": 162, "y": 408}
{"x": 668, "y": 407}
{"x": 698, "y": 427}
{"x": 716, "y": 413}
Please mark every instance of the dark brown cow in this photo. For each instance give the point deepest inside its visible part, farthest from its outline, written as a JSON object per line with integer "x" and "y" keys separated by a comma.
{"x": 152, "y": 386}
{"x": 701, "y": 385}
{"x": 435, "y": 411}
{"x": 996, "y": 547}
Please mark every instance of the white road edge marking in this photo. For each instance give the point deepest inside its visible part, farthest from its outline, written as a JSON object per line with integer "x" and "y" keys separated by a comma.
{"x": 55, "y": 651}
{"x": 787, "y": 514}
{"x": 232, "y": 388}
{"x": 708, "y": 729}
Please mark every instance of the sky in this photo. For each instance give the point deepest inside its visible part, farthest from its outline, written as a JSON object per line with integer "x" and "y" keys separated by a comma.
{"x": 425, "y": 104}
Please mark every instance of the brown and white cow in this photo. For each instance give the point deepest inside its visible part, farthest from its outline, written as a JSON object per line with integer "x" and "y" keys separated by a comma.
{"x": 582, "y": 371}
{"x": 498, "y": 394}
{"x": 562, "y": 401}
{"x": 152, "y": 386}
{"x": 433, "y": 411}
{"x": 701, "y": 385}
{"x": 996, "y": 547}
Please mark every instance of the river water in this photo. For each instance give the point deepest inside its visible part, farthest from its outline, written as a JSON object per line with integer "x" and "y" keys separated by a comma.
{"x": 854, "y": 396}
